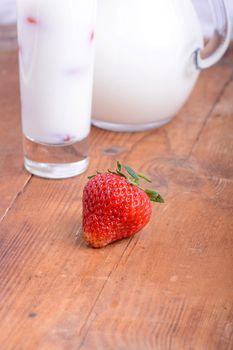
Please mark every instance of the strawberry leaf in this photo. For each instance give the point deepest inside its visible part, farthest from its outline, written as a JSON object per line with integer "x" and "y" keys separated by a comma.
{"x": 154, "y": 196}
{"x": 91, "y": 176}
{"x": 132, "y": 173}
{"x": 119, "y": 166}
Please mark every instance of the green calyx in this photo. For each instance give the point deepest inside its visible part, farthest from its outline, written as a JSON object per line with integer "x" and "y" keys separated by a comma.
{"x": 154, "y": 196}
{"x": 134, "y": 178}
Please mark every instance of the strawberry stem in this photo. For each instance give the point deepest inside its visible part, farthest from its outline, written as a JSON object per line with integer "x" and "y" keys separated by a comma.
{"x": 144, "y": 177}
{"x": 121, "y": 174}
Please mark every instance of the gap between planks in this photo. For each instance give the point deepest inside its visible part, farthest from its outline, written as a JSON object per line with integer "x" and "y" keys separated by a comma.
{"x": 209, "y": 114}
{"x": 88, "y": 322}
{"x": 15, "y": 198}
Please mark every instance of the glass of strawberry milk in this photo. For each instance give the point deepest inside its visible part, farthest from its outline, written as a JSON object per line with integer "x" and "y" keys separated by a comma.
{"x": 56, "y": 56}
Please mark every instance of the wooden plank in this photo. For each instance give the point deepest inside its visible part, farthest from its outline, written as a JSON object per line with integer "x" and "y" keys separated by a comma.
{"x": 13, "y": 177}
{"x": 55, "y": 288}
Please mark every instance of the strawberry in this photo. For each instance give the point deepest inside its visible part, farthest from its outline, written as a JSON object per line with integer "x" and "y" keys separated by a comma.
{"x": 31, "y": 20}
{"x": 92, "y": 35}
{"x": 115, "y": 206}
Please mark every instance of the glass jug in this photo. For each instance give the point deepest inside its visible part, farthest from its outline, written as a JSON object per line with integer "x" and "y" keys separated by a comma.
{"x": 149, "y": 54}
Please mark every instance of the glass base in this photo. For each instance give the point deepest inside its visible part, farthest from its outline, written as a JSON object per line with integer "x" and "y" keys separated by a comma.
{"x": 55, "y": 161}
{"x": 129, "y": 127}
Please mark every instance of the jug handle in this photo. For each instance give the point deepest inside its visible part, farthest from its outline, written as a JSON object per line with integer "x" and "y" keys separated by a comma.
{"x": 217, "y": 45}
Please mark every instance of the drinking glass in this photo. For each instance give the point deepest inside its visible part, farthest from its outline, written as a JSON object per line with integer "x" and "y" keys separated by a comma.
{"x": 56, "y": 54}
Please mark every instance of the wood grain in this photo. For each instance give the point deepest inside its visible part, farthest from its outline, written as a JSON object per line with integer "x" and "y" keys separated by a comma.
{"x": 170, "y": 287}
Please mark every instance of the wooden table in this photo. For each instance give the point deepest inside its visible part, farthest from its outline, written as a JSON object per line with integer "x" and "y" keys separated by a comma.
{"x": 170, "y": 286}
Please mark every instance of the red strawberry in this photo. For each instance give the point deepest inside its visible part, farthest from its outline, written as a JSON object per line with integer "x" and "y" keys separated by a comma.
{"x": 31, "y": 20}
{"x": 115, "y": 207}
{"x": 92, "y": 35}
